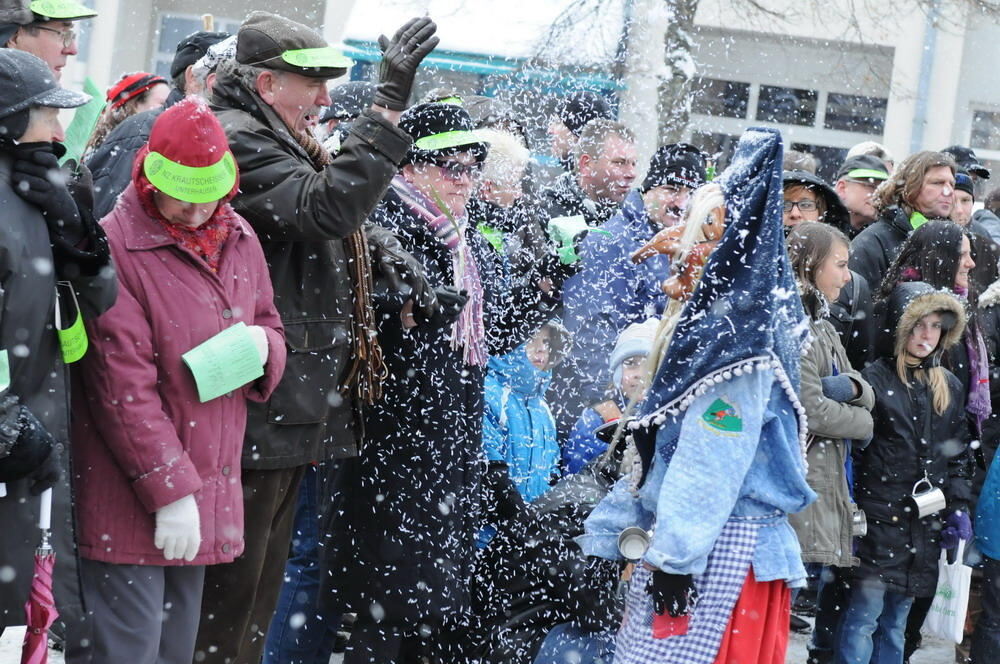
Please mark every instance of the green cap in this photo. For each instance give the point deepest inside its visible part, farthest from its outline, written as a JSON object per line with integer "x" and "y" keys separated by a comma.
{"x": 325, "y": 56}
{"x": 858, "y": 173}
{"x": 275, "y": 42}
{"x": 61, "y": 10}
{"x": 449, "y": 139}
{"x": 191, "y": 184}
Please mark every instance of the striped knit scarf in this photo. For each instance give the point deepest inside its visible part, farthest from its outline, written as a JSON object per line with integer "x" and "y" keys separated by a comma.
{"x": 468, "y": 332}
{"x": 368, "y": 368}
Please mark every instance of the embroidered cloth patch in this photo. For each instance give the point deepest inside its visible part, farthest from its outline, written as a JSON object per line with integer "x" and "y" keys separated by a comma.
{"x": 723, "y": 417}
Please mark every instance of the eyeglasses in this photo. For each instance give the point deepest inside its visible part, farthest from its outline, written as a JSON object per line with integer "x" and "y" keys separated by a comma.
{"x": 454, "y": 170}
{"x": 68, "y": 35}
{"x": 803, "y": 205}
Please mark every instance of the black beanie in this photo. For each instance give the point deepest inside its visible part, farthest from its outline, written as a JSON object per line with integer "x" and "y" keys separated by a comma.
{"x": 580, "y": 108}
{"x": 450, "y": 122}
{"x": 963, "y": 182}
{"x": 679, "y": 164}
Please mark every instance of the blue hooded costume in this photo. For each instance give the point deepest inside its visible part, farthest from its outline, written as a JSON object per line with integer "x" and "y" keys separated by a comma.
{"x": 721, "y": 434}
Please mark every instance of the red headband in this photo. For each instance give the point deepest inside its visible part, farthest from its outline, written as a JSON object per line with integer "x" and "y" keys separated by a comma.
{"x": 132, "y": 86}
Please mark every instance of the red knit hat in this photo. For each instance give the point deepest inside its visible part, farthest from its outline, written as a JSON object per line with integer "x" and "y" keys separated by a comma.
{"x": 188, "y": 155}
{"x": 131, "y": 86}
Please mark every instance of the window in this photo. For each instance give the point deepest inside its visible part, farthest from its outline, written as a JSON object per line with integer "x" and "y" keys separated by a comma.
{"x": 787, "y": 105}
{"x": 855, "y": 113}
{"x": 985, "y": 130}
{"x": 175, "y": 27}
{"x": 727, "y": 99}
{"x": 828, "y": 159}
{"x": 719, "y": 146}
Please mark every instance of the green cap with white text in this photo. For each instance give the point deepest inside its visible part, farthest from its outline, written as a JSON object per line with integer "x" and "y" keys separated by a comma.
{"x": 275, "y": 42}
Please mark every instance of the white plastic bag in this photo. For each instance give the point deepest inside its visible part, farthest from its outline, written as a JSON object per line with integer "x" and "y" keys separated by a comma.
{"x": 946, "y": 618}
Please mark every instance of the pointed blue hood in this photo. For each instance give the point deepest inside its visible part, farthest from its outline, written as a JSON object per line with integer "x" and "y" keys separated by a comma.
{"x": 746, "y": 312}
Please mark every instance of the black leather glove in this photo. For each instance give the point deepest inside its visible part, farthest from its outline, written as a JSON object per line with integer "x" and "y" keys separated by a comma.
{"x": 79, "y": 245}
{"x": 502, "y": 498}
{"x": 400, "y": 59}
{"x": 673, "y": 594}
{"x": 39, "y": 180}
{"x": 402, "y": 274}
{"x": 32, "y": 455}
{"x": 450, "y": 302}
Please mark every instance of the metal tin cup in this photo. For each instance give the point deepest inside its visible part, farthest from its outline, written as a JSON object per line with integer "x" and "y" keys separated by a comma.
{"x": 929, "y": 499}
{"x": 859, "y": 523}
{"x": 633, "y": 542}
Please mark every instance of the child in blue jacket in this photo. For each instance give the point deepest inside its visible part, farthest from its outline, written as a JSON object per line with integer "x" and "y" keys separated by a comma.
{"x": 518, "y": 428}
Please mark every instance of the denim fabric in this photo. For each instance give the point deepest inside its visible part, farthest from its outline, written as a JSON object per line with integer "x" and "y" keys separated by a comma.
{"x": 987, "y": 524}
{"x": 874, "y": 625}
{"x": 298, "y": 633}
{"x": 583, "y": 445}
{"x": 712, "y": 475}
{"x": 568, "y": 644}
{"x": 986, "y": 639}
{"x": 832, "y": 595}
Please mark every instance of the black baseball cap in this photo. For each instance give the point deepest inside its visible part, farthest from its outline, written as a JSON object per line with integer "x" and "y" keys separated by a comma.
{"x": 967, "y": 160}
{"x": 27, "y": 82}
{"x": 679, "y": 164}
{"x": 275, "y": 42}
{"x": 863, "y": 167}
{"x": 192, "y": 48}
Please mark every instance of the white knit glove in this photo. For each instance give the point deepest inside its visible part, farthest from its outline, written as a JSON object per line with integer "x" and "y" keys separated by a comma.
{"x": 259, "y": 338}
{"x": 178, "y": 529}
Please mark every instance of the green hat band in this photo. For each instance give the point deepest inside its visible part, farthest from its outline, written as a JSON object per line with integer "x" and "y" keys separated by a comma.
{"x": 868, "y": 173}
{"x": 449, "y": 139}
{"x": 917, "y": 220}
{"x": 325, "y": 57}
{"x": 191, "y": 184}
{"x": 61, "y": 9}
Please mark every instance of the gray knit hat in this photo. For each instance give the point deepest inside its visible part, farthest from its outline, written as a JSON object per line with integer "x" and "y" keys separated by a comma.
{"x": 275, "y": 42}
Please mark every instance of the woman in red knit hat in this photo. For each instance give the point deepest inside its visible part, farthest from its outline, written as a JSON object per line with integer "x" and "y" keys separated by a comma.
{"x": 132, "y": 94}
{"x": 160, "y": 400}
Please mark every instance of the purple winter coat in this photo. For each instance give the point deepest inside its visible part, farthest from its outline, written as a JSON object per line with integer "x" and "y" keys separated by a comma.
{"x": 141, "y": 439}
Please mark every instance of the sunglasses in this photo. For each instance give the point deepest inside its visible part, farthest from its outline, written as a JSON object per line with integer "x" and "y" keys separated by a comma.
{"x": 454, "y": 170}
{"x": 68, "y": 35}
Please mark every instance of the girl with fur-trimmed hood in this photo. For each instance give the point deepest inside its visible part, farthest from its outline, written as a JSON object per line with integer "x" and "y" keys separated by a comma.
{"x": 920, "y": 436}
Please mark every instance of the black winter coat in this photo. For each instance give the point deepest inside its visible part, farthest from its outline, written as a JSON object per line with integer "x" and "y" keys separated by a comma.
{"x": 412, "y": 508}
{"x": 533, "y": 575}
{"x": 565, "y": 199}
{"x": 38, "y": 381}
{"x": 111, "y": 163}
{"x": 910, "y": 439}
{"x": 874, "y": 249}
{"x": 853, "y": 317}
{"x": 524, "y": 257}
{"x": 303, "y": 215}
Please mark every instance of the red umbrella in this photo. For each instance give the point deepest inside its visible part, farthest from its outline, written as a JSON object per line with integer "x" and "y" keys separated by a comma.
{"x": 41, "y": 606}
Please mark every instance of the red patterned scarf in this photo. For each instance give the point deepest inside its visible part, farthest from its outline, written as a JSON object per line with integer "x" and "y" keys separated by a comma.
{"x": 206, "y": 241}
